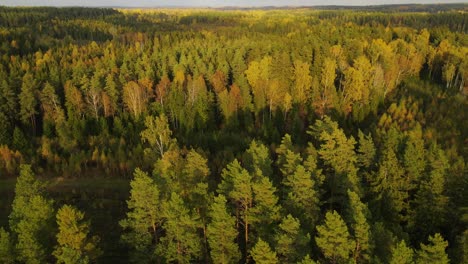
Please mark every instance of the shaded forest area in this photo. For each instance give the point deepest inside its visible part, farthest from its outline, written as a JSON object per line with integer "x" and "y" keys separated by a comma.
{"x": 234, "y": 136}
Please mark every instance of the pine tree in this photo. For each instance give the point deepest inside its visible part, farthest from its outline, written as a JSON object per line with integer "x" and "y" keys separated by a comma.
{"x": 358, "y": 213}
{"x": 434, "y": 252}
{"x": 257, "y": 159}
{"x": 20, "y": 142}
{"x": 112, "y": 92}
{"x": 291, "y": 242}
{"x": 6, "y": 247}
{"x": 337, "y": 151}
{"x": 287, "y": 159}
{"x": 391, "y": 187}
{"x": 144, "y": 216}
{"x": 5, "y": 130}
{"x": 28, "y": 101}
{"x": 302, "y": 199}
{"x": 222, "y": 233}
{"x": 333, "y": 238}
{"x": 431, "y": 202}
{"x": 237, "y": 187}
{"x": 30, "y": 219}
{"x": 266, "y": 210}
{"x": 262, "y": 254}
{"x": 414, "y": 157}
{"x": 366, "y": 150}
{"x": 74, "y": 245}
{"x": 8, "y": 98}
{"x": 194, "y": 184}
{"x": 402, "y": 254}
{"x": 181, "y": 243}
{"x": 307, "y": 260}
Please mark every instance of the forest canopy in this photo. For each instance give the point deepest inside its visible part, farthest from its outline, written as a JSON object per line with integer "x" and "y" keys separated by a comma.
{"x": 306, "y": 135}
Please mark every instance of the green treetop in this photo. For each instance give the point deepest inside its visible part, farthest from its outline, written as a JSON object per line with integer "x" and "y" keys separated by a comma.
{"x": 74, "y": 245}
{"x": 144, "y": 216}
{"x": 402, "y": 254}
{"x": 262, "y": 254}
{"x": 333, "y": 239}
{"x": 222, "y": 233}
{"x": 291, "y": 242}
{"x": 434, "y": 252}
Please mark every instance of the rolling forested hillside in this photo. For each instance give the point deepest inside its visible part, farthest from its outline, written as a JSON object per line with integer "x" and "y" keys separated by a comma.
{"x": 234, "y": 136}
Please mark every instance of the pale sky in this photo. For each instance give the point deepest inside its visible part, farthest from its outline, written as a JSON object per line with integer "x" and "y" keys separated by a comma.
{"x": 214, "y": 3}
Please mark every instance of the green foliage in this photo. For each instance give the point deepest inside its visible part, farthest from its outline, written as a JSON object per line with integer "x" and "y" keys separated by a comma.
{"x": 195, "y": 180}
{"x": 6, "y": 247}
{"x": 20, "y": 142}
{"x": 257, "y": 159}
{"x": 74, "y": 245}
{"x": 302, "y": 196}
{"x": 431, "y": 203}
{"x": 337, "y": 151}
{"x": 391, "y": 187}
{"x": 402, "y": 254}
{"x": 143, "y": 218}
{"x": 237, "y": 187}
{"x": 181, "y": 242}
{"x": 291, "y": 242}
{"x": 358, "y": 215}
{"x": 222, "y": 233}
{"x": 157, "y": 134}
{"x": 266, "y": 210}
{"x": 414, "y": 158}
{"x": 32, "y": 230}
{"x": 366, "y": 150}
{"x": 28, "y": 100}
{"x": 30, "y": 219}
{"x": 433, "y": 252}
{"x": 5, "y": 130}
{"x": 383, "y": 239}
{"x": 86, "y": 91}
{"x": 307, "y": 260}
{"x": 262, "y": 254}
{"x": 333, "y": 239}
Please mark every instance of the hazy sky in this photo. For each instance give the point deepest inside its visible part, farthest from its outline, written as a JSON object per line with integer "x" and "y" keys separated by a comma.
{"x": 153, "y": 3}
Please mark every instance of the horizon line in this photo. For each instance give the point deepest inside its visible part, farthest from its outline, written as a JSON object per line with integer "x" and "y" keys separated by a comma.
{"x": 238, "y": 6}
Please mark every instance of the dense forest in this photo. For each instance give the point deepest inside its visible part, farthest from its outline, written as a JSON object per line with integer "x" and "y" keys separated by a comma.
{"x": 234, "y": 136}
